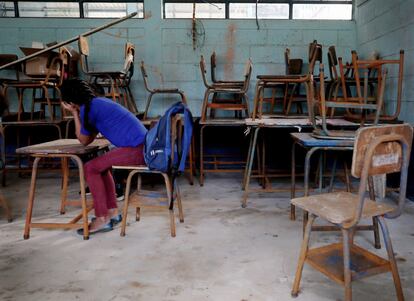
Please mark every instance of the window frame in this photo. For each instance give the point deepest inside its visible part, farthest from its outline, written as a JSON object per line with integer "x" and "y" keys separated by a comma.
{"x": 289, "y": 2}
{"x": 81, "y": 10}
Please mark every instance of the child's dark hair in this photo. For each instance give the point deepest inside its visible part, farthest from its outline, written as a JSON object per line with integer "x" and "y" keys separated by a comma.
{"x": 3, "y": 102}
{"x": 79, "y": 92}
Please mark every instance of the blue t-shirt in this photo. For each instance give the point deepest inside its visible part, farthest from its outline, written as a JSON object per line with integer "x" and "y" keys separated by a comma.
{"x": 114, "y": 122}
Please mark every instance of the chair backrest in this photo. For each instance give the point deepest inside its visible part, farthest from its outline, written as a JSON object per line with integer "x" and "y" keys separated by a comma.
{"x": 293, "y": 66}
{"x": 315, "y": 54}
{"x": 203, "y": 71}
{"x": 8, "y": 58}
{"x": 248, "y": 67}
{"x": 145, "y": 77}
{"x": 381, "y": 150}
{"x": 128, "y": 67}
{"x": 213, "y": 66}
{"x": 84, "y": 52}
{"x": 333, "y": 62}
{"x": 159, "y": 142}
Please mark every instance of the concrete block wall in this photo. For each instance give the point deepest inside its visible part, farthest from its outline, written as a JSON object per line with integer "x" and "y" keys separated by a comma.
{"x": 386, "y": 27}
{"x": 166, "y": 46}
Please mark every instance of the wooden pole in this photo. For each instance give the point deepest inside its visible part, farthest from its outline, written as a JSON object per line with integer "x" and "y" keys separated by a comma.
{"x": 88, "y": 33}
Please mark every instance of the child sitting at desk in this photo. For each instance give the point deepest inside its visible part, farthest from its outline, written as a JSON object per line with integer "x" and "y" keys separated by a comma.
{"x": 93, "y": 115}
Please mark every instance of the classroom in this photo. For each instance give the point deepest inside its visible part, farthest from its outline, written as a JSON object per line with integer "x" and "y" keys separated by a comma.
{"x": 190, "y": 150}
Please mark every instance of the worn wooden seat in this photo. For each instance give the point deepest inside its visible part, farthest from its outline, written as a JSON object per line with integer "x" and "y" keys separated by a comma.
{"x": 327, "y": 206}
{"x": 377, "y": 150}
{"x": 154, "y": 199}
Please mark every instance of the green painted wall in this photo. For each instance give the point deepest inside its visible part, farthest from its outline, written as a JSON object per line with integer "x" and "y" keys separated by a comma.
{"x": 166, "y": 46}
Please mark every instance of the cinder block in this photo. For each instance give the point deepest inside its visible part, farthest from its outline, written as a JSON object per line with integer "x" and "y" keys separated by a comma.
{"x": 44, "y": 35}
{"x": 285, "y": 37}
{"x": 175, "y": 37}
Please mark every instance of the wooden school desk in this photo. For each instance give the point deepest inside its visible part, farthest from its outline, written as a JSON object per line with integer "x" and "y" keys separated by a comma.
{"x": 65, "y": 149}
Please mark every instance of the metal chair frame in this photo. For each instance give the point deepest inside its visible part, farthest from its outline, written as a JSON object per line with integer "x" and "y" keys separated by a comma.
{"x": 377, "y": 150}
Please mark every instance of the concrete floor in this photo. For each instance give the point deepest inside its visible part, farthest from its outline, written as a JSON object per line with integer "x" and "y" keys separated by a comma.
{"x": 221, "y": 252}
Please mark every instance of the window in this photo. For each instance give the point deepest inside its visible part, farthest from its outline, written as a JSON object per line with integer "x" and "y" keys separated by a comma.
{"x": 49, "y": 9}
{"x": 71, "y": 8}
{"x": 203, "y": 10}
{"x": 112, "y": 10}
{"x": 266, "y": 9}
{"x": 322, "y": 11}
{"x": 6, "y": 9}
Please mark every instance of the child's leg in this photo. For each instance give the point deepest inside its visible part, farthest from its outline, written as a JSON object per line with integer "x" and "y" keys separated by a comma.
{"x": 100, "y": 180}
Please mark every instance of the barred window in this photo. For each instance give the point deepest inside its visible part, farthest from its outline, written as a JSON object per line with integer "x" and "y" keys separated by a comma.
{"x": 71, "y": 9}
{"x": 266, "y": 9}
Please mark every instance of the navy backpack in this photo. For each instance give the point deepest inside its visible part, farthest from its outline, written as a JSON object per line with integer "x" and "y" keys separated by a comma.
{"x": 157, "y": 149}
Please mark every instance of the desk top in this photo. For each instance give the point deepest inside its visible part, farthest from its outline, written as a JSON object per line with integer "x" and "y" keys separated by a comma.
{"x": 223, "y": 121}
{"x": 63, "y": 146}
{"x": 278, "y": 122}
{"x": 32, "y": 122}
{"x": 307, "y": 140}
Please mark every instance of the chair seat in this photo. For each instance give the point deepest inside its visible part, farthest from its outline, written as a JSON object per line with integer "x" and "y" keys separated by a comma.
{"x": 132, "y": 167}
{"x": 339, "y": 207}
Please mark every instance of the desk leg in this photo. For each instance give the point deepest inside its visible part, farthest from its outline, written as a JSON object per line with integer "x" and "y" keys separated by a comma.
{"x": 65, "y": 179}
{"x": 249, "y": 167}
{"x": 306, "y": 180}
{"x": 191, "y": 159}
{"x": 293, "y": 182}
{"x": 83, "y": 197}
{"x": 202, "y": 155}
{"x": 29, "y": 211}
{"x": 247, "y": 162}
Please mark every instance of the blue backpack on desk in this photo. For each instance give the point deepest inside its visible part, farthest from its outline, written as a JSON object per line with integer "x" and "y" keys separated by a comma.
{"x": 157, "y": 149}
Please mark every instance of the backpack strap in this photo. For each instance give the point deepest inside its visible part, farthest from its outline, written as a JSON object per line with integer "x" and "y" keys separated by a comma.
{"x": 186, "y": 139}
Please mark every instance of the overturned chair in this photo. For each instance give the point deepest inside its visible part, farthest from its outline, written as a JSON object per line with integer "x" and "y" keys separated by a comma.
{"x": 377, "y": 150}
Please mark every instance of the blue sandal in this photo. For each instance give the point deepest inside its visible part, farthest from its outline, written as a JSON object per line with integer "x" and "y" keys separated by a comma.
{"x": 108, "y": 227}
{"x": 115, "y": 220}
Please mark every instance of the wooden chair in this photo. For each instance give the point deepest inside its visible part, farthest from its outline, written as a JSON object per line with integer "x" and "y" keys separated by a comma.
{"x": 120, "y": 80}
{"x": 214, "y": 80}
{"x": 362, "y": 105}
{"x": 111, "y": 81}
{"x": 239, "y": 101}
{"x": 374, "y": 68}
{"x": 52, "y": 80}
{"x": 377, "y": 150}
{"x": 315, "y": 54}
{"x": 161, "y": 91}
{"x": 153, "y": 199}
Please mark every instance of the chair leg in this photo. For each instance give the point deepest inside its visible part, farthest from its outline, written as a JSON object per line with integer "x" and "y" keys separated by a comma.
{"x": 180, "y": 205}
{"x": 302, "y": 257}
{"x": 65, "y": 179}
{"x": 391, "y": 258}
{"x": 6, "y": 207}
{"x": 347, "y": 265}
{"x": 29, "y": 211}
{"x": 138, "y": 214}
{"x": 126, "y": 202}
{"x": 170, "y": 189}
{"x": 377, "y": 241}
{"x": 205, "y": 104}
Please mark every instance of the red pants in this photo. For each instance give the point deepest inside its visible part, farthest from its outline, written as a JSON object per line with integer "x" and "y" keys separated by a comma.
{"x": 99, "y": 177}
